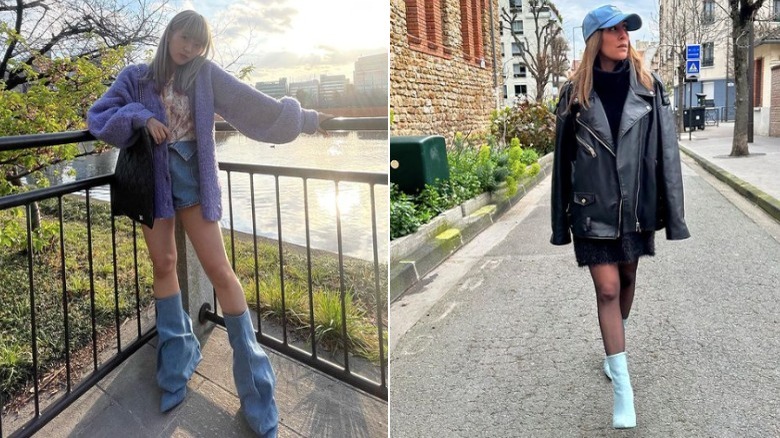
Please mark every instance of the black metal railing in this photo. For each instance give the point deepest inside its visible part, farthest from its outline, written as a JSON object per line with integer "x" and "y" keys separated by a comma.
{"x": 45, "y": 409}
{"x": 291, "y": 342}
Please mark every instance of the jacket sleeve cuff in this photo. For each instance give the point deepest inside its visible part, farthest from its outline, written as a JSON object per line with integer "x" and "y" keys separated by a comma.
{"x": 141, "y": 117}
{"x": 311, "y": 121}
{"x": 560, "y": 239}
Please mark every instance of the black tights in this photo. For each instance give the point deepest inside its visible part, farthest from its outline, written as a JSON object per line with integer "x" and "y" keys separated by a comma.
{"x": 614, "y": 285}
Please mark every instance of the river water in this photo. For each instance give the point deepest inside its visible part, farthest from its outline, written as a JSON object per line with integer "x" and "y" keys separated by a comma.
{"x": 352, "y": 151}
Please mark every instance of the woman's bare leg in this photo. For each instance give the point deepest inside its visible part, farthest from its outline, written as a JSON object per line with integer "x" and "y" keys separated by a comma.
{"x": 206, "y": 238}
{"x": 161, "y": 243}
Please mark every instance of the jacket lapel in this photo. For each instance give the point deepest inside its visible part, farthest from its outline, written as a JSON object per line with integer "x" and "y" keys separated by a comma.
{"x": 638, "y": 103}
{"x": 595, "y": 119}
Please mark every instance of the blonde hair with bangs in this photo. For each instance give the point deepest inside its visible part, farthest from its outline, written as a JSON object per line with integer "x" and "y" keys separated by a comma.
{"x": 582, "y": 79}
{"x": 161, "y": 69}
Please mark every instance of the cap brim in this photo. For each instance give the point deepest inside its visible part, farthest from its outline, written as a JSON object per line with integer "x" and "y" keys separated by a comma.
{"x": 633, "y": 21}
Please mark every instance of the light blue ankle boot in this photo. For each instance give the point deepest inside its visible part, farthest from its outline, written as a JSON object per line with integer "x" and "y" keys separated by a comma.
{"x": 178, "y": 351}
{"x": 253, "y": 375}
{"x": 623, "y": 414}
{"x": 606, "y": 364}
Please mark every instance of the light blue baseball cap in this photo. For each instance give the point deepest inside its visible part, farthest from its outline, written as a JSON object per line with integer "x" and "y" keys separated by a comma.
{"x": 607, "y": 16}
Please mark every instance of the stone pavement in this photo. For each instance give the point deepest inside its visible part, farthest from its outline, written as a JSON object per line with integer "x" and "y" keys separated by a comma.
{"x": 503, "y": 341}
{"x": 126, "y": 402}
{"x": 756, "y": 176}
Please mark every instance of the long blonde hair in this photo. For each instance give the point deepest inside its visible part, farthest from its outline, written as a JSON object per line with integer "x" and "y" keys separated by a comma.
{"x": 582, "y": 79}
{"x": 162, "y": 68}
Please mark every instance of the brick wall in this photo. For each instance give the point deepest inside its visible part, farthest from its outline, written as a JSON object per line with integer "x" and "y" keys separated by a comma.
{"x": 436, "y": 88}
{"x": 774, "y": 111}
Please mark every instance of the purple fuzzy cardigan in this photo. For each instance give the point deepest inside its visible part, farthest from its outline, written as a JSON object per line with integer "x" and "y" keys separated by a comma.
{"x": 133, "y": 98}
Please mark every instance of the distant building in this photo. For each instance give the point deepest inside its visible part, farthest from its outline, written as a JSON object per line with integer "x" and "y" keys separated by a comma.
{"x": 331, "y": 87}
{"x": 307, "y": 92}
{"x": 518, "y": 80}
{"x": 276, "y": 89}
{"x": 371, "y": 73}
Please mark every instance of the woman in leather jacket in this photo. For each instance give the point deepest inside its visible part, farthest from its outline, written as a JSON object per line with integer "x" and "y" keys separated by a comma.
{"x": 616, "y": 179}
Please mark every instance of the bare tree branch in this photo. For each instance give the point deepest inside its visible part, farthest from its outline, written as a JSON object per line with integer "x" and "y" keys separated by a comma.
{"x": 539, "y": 58}
{"x": 78, "y": 27}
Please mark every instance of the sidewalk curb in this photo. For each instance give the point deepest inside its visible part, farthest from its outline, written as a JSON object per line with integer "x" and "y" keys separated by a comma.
{"x": 412, "y": 257}
{"x": 749, "y": 191}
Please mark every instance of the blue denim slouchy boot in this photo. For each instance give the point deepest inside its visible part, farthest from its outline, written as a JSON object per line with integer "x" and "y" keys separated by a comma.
{"x": 253, "y": 375}
{"x": 178, "y": 351}
{"x": 623, "y": 414}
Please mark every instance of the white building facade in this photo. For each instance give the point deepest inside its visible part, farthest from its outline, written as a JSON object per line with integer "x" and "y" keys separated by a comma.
{"x": 716, "y": 76}
{"x": 518, "y": 81}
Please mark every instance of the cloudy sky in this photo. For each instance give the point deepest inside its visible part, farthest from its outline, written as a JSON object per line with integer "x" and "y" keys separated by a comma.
{"x": 294, "y": 39}
{"x": 573, "y": 11}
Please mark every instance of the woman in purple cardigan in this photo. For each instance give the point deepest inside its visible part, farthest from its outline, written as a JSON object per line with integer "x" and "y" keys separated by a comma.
{"x": 175, "y": 97}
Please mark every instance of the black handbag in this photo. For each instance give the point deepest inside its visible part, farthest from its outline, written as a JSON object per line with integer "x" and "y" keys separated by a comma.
{"x": 132, "y": 190}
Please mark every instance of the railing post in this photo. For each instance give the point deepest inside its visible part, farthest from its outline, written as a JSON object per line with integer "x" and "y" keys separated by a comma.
{"x": 196, "y": 289}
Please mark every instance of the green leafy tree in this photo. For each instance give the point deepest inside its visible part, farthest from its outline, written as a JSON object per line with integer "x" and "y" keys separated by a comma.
{"x": 56, "y": 97}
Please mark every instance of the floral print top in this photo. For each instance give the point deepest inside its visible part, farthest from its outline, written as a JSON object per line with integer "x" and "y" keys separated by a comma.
{"x": 177, "y": 109}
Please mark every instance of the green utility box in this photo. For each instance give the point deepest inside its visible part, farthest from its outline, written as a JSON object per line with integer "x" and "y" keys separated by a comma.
{"x": 416, "y": 161}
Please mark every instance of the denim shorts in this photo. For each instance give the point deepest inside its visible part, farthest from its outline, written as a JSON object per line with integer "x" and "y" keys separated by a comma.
{"x": 185, "y": 177}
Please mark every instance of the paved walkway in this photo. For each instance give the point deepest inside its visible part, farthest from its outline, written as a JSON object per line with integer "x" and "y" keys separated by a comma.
{"x": 761, "y": 168}
{"x": 503, "y": 340}
{"x": 126, "y": 402}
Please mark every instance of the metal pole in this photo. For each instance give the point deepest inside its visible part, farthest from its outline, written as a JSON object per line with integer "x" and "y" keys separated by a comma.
{"x": 690, "y": 110}
{"x": 574, "y": 46}
{"x": 493, "y": 54}
{"x": 751, "y": 84}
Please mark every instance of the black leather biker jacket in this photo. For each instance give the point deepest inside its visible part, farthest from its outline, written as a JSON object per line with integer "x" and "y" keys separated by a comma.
{"x": 600, "y": 191}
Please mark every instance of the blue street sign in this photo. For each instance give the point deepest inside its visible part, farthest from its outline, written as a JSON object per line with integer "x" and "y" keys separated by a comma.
{"x": 693, "y": 51}
{"x": 692, "y": 67}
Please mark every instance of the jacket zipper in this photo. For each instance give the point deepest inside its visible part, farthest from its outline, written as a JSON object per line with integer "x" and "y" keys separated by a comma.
{"x": 587, "y": 146}
{"x": 638, "y": 186}
{"x": 603, "y": 143}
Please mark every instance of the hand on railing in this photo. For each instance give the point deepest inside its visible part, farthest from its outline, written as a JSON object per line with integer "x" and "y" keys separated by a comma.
{"x": 321, "y": 117}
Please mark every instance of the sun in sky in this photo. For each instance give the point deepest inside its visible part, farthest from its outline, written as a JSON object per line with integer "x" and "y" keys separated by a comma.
{"x": 294, "y": 39}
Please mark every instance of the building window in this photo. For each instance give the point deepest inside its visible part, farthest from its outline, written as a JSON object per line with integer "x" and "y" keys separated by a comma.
{"x": 758, "y": 82}
{"x": 708, "y": 14}
{"x": 425, "y": 26}
{"x": 520, "y": 71}
{"x": 516, "y": 49}
{"x": 472, "y": 31}
{"x": 708, "y": 54}
{"x": 517, "y": 27}
{"x": 521, "y": 90}
{"x": 516, "y": 5}
{"x": 776, "y": 10}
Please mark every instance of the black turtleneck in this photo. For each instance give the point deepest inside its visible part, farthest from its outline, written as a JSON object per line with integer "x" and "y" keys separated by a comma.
{"x": 612, "y": 88}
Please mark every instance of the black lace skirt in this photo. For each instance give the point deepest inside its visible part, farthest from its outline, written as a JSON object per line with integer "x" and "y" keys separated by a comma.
{"x": 626, "y": 249}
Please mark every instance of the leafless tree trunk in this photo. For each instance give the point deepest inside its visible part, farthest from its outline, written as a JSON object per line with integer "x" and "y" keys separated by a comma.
{"x": 742, "y": 13}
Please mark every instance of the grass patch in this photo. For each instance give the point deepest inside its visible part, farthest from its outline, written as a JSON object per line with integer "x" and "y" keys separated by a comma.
{"x": 48, "y": 275}
{"x": 358, "y": 282}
